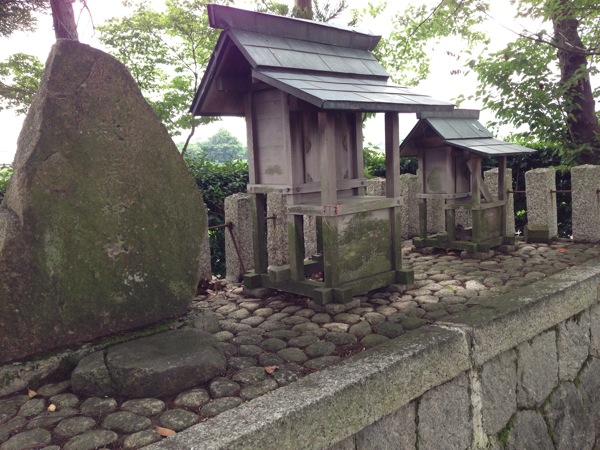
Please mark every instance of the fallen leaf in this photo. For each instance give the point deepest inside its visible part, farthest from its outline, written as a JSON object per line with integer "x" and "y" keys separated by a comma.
{"x": 166, "y": 432}
{"x": 561, "y": 250}
{"x": 31, "y": 393}
{"x": 52, "y": 407}
{"x": 271, "y": 369}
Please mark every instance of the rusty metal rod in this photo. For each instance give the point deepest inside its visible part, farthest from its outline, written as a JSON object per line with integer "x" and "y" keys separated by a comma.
{"x": 235, "y": 246}
{"x": 224, "y": 225}
{"x": 515, "y": 192}
{"x": 229, "y": 226}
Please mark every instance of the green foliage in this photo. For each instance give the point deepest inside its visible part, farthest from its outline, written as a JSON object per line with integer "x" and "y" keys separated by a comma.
{"x": 374, "y": 160}
{"x": 540, "y": 81}
{"x": 20, "y": 77}
{"x": 167, "y": 53}
{"x": 321, "y": 11}
{"x": 220, "y": 147}
{"x": 5, "y": 173}
{"x": 217, "y": 181}
{"x": 405, "y": 52}
{"x": 18, "y": 15}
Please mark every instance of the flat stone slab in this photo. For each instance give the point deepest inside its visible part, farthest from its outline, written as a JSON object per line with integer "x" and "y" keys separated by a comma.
{"x": 156, "y": 366}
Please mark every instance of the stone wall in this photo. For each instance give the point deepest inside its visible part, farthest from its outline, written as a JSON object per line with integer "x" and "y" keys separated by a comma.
{"x": 516, "y": 371}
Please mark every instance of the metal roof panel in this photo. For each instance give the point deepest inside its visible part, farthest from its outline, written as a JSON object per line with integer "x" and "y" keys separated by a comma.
{"x": 226, "y": 18}
{"x": 353, "y": 93}
{"x": 490, "y": 146}
{"x": 451, "y": 128}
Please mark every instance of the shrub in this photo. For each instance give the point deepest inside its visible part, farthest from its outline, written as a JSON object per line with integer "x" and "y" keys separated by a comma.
{"x": 5, "y": 174}
{"x": 217, "y": 181}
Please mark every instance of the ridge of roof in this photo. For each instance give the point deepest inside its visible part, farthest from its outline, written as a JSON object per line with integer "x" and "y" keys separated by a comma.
{"x": 226, "y": 17}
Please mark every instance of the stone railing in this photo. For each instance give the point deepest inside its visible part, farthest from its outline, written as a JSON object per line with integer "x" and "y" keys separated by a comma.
{"x": 540, "y": 191}
{"x": 521, "y": 370}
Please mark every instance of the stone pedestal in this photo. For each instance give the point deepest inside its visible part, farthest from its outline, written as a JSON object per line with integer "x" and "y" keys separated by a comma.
{"x": 585, "y": 182}
{"x": 541, "y": 201}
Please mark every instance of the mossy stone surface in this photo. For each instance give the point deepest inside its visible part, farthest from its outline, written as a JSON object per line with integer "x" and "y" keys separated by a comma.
{"x": 101, "y": 225}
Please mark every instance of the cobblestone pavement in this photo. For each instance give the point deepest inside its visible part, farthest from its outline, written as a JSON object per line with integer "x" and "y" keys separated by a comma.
{"x": 272, "y": 342}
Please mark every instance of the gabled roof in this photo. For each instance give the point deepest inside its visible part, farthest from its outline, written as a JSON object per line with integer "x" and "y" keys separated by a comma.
{"x": 466, "y": 133}
{"x": 327, "y": 66}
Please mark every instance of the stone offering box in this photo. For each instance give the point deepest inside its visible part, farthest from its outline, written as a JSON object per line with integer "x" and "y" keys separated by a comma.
{"x": 303, "y": 87}
{"x": 450, "y": 147}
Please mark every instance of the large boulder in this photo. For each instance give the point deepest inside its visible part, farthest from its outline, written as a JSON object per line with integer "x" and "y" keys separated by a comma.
{"x": 156, "y": 366}
{"x": 101, "y": 225}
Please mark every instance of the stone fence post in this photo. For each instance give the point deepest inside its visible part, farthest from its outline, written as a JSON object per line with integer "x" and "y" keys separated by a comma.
{"x": 238, "y": 211}
{"x": 490, "y": 177}
{"x": 205, "y": 269}
{"x": 585, "y": 201}
{"x": 410, "y": 208}
{"x": 541, "y": 202}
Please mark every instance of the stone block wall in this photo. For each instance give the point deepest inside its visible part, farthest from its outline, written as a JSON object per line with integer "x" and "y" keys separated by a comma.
{"x": 521, "y": 370}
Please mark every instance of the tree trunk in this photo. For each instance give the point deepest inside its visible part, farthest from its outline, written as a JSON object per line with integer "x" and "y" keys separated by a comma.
{"x": 303, "y": 9}
{"x": 579, "y": 103}
{"x": 64, "y": 19}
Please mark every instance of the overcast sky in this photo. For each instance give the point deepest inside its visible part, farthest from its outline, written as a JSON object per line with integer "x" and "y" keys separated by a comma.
{"x": 441, "y": 85}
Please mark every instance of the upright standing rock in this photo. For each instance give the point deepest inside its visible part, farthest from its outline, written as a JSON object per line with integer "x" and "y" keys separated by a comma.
{"x": 101, "y": 225}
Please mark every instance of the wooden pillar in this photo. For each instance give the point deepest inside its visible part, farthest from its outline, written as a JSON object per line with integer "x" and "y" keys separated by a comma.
{"x": 295, "y": 224}
{"x": 422, "y": 201}
{"x": 502, "y": 192}
{"x": 392, "y": 184}
{"x": 474, "y": 165}
{"x": 328, "y": 197}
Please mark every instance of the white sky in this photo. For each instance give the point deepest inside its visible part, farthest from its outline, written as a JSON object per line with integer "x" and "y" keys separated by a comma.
{"x": 441, "y": 85}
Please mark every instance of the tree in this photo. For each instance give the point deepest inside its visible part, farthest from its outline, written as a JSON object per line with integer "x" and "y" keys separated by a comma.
{"x": 20, "y": 77}
{"x": 19, "y": 15}
{"x": 221, "y": 147}
{"x": 63, "y": 18}
{"x": 304, "y": 9}
{"x": 541, "y": 79}
{"x": 167, "y": 53}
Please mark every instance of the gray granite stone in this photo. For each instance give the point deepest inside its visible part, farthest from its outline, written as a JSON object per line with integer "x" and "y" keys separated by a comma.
{"x": 395, "y": 431}
{"x": 73, "y": 426}
{"x": 219, "y": 405}
{"x": 321, "y": 348}
{"x": 292, "y": 355}
{"x": 529, "y": 431}
{"x": 569, "y": 419}
{"x": 98, "y": 407}
{"x": 258, "y": 389}
{"x": 589, "y": 387}
{"x": 147, "y": 407}
{"x": 537, "y": 369}
{"x": 178, "y": 419}
{"x": 193, "y": 398}
{"x": 126, "y": 422}
{"x": 451, "y": 402}
{"x": 91, "y": 440}
{"x": 28, "y": 440}
{"x": 141, "y": 438}
{"x": 249, "y": 376}
{"x": 223, "y": 387}
{"x": 573, "y": 346}
{"x": 499, "y": 391}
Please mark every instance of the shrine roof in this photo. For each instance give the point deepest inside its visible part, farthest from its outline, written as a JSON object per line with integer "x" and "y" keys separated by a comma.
{"x": 461, "y": 132}
{"x": 330, "y": 67}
